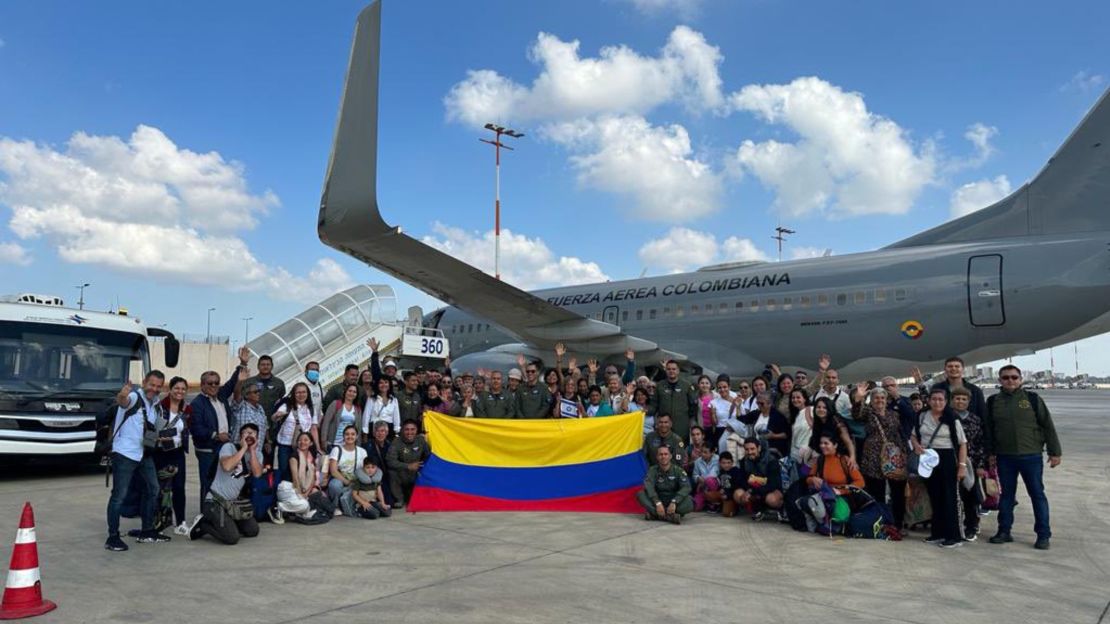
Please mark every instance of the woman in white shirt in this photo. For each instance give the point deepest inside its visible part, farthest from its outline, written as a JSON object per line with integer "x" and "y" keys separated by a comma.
{"x": 293, "y": 416}
{"x": 382, "y": 406}
{"x": 802, "y": 428}
{"x": 173, "y": 447}
{"x": 343, "y": 460}
{"x": 339, "y": 415}
{"x": 722, "y": 406}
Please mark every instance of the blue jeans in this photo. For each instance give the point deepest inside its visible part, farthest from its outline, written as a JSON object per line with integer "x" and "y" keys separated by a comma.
{"x": 204, "y": 467}
{"x": 1031, "y": 469}
{"x": 282, "y": 467}
{"x": 123, "y": 470}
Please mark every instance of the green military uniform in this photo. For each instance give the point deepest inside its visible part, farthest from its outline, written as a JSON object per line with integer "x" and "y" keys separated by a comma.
{"x": 273, "y": 390}
{"x": 397, "y": 458}
{"x": 680, "y": 400}
{"x": 1013, "y": 427}
{"x": 533, "y": 401}
{"x": 411, "y": 405}
{"x": 653, "y": 441}
{"x": 666, "y": 486}
{"x": 496, "y": 405}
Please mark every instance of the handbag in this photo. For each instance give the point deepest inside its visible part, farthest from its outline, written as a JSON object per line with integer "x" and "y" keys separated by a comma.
{"x": 238, "y": 509}
{"x": 892, "y": 461}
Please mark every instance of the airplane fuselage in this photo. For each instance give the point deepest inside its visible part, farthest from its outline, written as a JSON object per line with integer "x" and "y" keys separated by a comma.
{"x": 874, "y": 313}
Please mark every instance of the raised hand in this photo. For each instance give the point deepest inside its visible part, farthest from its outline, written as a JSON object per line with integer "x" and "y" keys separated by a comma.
{"x": 775, "y": 370}
{"x": 483, "y": 373}
{"x": 629, "y": 354}
{"x": 592, "y": 365}
{"x": 560, "y": 350}
{"x": 572, "y": 364}
{"x": 447, "y": 362}
{"x": 917, "y": 376}
{"x": 373, "y": 344}
{"x": 244, "y": 355}
{"x": 630, "y": 388}
{"x": 861, "y": 388}
{"x": 124, "y": 395}
{"x": 824, "y": 362}
{"x": 520, "y": 361}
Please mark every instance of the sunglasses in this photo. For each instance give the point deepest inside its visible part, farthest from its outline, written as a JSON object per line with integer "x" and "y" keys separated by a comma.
{"x": 1012, "y": 377}
{"x": 531, "y": 371}
{"x": 745, "y": 387}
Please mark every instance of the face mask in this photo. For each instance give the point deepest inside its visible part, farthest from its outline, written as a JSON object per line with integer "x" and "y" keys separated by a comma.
{"x": 312, "y": 376}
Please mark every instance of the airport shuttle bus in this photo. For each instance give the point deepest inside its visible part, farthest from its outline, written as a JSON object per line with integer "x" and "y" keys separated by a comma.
{"x": 60, "y": 367}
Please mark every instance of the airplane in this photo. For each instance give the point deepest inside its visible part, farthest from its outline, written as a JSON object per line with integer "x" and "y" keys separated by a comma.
{"x": 1028, "y": 272}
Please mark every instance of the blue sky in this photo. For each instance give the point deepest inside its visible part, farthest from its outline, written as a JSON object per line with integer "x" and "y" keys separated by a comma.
{"x": 643, "y": 168}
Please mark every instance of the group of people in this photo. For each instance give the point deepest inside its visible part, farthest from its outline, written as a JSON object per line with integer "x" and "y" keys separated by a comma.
{"x": 720, "y": 445}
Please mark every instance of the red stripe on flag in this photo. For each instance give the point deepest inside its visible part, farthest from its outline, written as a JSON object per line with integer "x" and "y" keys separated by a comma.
{"x": 436, "y": 499}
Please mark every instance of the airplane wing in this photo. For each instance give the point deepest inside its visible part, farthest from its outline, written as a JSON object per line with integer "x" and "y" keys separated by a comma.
{"x": 351, "y": 222}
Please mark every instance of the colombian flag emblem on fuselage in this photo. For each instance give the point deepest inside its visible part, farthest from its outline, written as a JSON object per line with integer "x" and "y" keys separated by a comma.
{"x": 912, "y": 330}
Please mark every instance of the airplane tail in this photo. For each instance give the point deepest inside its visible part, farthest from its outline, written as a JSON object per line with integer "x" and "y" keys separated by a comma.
{"x": 1070, "y": 194}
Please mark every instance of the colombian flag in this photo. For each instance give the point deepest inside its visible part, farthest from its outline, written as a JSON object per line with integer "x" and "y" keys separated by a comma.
{"x": 565, "y": 464}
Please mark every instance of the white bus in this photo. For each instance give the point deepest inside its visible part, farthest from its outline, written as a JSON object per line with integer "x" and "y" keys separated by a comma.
{"x": 60, "y": 367}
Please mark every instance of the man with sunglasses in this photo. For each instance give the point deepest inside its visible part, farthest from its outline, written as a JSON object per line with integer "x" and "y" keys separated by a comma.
{"x": 1017, "y": 430}
{"x": 211, "y": 413}
{"x": 533, "y": 399}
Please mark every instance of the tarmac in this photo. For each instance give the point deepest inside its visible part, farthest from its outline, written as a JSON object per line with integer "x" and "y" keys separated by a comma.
{"x": 548, "y": 567}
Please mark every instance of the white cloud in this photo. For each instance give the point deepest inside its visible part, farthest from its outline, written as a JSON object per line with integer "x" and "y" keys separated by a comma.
{"x": 1084, "y": 81}
{"x": 653, "y": 166}
{"x": 14, "y": 253}
{"x": 618, "y": 81}
{"x": 527, "y": 263}
{"x": 147, "y": 207}
{"x": 683, "y": 249}
{"x": 847, "y": 160}
{"x": 980, "y": 136}
{"x": 976, "y": 195}
{"x": 685, "y": 8}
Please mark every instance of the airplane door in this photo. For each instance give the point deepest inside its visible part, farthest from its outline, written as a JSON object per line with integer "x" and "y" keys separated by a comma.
{"x": 611, "y": 315}
{"x": 984, "y": 291}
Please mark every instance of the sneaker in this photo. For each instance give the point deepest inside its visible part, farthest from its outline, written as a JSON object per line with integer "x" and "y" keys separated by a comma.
{"x": 398, "y": 505}
{"x": 192, "y": 528}
{"x": 984, "y": 512}
{"x": 970, "y": 535}
{"x": 136, "y": 533}
{"x": 783, "y": 517}
{"x": 951, "y": 543}
{"x": 1042, "y": 543}
{"x": 153, "y": 537}
{"x": 338, "y": 512}
{"x": 115, "y": 544}
{"x": 182, "y": 529}
{"x": 933, "y": 540}
{"x": 674, "y": 518}
{"x": 1001, "y": 538}
{"x": 757, "y": 516}
{"x": 275, "y": 516}
{"x": 647, "y": 516}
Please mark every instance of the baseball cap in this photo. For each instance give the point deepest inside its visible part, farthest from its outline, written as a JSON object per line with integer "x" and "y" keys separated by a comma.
{"x": 926, "y": 462}
{"x": 466, "y": 374}
{"x": 389, "y": 363}
{"x": 419, "y": 368}
{"x": 514, "y": 373}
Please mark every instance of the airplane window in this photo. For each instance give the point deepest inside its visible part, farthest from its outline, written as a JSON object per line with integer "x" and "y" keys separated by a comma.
{"x": 723, "y": 308}
{"x": 754, "y": 307}
{"x": 842, "y": 299}
{"x": 861, "y": 297}
{"x": 679, "y": 311}
{"x": 694, "y": 310}
{"x": 900, "y": 294}
{"x": 880, "y": 295}
{"x": 787, "y": 303}
{"x": 803, "y": 302}
{"x": 709, "y": 308}
{"x": 487, "y": 326}
{"x": 624, "y": 317}
{"x": 640, "y": 314}
{"x": 651, "y": 314}
{"x": 470, "y": 328}
{"x": 739, "y": 306}
{"x": 822, "y": 300}
{"x": 770, "y": 305}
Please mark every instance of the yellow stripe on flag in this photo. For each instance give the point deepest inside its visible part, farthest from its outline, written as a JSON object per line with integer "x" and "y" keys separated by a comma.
{"x": 496, "y": 442}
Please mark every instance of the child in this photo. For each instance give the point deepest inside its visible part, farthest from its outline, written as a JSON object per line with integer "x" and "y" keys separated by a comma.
{"x": 729, "y": 479}
{"x": 705, "y": 477}
{"x": 976, "y": 456}
{"x": 367, "y": 500}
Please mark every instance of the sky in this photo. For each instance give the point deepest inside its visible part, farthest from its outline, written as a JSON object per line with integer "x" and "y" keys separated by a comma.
{"x": 171, "y": 155}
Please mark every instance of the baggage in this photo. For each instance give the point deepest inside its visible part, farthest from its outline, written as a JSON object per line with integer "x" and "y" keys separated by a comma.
{"x": 918, "y": 508}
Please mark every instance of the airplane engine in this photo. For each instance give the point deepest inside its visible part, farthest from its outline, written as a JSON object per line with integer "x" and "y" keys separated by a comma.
{"x": 487, "y": 360}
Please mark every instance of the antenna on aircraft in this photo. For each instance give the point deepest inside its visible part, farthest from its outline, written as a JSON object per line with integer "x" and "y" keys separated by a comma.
{"x": 498, "y": 145}
{"x": 780, "y": 236}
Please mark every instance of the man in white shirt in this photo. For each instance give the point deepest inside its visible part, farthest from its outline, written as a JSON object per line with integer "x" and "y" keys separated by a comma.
{"x": 136, "y": 413}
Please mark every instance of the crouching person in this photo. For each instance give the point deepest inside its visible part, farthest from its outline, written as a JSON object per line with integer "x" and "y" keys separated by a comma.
{"x": 365, "y": 498}
{"x": 666, "y": 493}
{"x": 226, "y": 514}
{"x": 760, "y": 485}
{"x": 405, "y": 458}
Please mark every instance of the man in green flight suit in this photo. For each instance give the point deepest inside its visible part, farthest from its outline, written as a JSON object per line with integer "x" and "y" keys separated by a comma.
{"x": 666, "y": 493}
{"x": 663, "y": 436}
{"x": 497, "y": 402}
{"x": 675, "y": 396}
{"x": 533, "y": 399}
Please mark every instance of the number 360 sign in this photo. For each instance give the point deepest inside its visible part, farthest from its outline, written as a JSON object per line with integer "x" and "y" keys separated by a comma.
{"x": 424, "y": 346}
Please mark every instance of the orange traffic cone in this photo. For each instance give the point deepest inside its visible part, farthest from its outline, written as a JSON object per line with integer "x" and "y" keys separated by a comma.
{"x": 23, "y": 591}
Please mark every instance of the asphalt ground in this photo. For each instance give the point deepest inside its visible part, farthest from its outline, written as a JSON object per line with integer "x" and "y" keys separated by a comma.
{"x": 546, "y": 567}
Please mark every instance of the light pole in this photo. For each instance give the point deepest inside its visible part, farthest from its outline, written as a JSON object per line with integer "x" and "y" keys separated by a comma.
{"x": 208, "y": 338}
{"x": 780, "y": 236}
{"x": 498, "y": 145}
{"x": 247, "y": 328}
{"x": 81, "y": 299}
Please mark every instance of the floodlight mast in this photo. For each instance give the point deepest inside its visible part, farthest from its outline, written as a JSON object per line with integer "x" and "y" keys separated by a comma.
{"x": 497, "y": 147}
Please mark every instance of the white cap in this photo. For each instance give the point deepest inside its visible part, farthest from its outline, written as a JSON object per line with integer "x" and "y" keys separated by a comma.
{"x": 926, "y": 462}
{"x": 389, "y": 363}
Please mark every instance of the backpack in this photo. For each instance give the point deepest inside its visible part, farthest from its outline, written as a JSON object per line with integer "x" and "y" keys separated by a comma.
{"x": 105, "y": 431}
